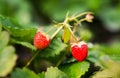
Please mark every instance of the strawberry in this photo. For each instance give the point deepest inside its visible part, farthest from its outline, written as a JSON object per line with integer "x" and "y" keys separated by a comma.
{"x": 41, "y": 41}
{"x": 79, "y": 51}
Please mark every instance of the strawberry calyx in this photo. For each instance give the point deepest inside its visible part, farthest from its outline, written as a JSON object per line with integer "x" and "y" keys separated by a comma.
{"x": 78, "y": 44}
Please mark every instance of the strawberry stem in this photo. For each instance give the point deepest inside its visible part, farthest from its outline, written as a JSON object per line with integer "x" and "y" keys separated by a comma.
{"x": 62, "y": 58}
{"x": 56, "y": 31}
{"x": 75, "y": 27}
{"x": 81, "y": 14}
{"x": 82, "y": 20}
{"x": 50, "y": 29}
{"x": 68, "y": 26}
{"x": 29, "y": 62}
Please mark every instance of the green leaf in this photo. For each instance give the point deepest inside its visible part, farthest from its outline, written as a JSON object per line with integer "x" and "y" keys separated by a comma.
{"x": 4, "y": 38}
{"x": 55, "y": 48}
{"x": 99, "y": 51}
{"x": 69, "y": 60}
{"x": 7, "y": 55}
{"x": 94, "y": 56}
{"x": 23, "y": 73}
{"x": 66, "y": 35}
{"x": 20, "y": 32}
{"x": 7, "y": 60}
{"x": 26, "y": 44}
{"x": 75, "y": 70}
{"x": 54, "y": 72}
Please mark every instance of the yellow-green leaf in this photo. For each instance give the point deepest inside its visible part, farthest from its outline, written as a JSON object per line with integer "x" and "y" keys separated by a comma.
{"x": 7, "y": 60}
{"x": 4, "y": 38}
{"x": 54, "y": 72}
{"x": 24, "y": 73}
{"x": 66, "y": 35}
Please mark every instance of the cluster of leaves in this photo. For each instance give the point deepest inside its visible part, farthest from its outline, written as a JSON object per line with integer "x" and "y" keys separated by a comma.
{"x": 54, "y": 72}
{"x": 12, "y": 33}
{"x": 7, "y": 53}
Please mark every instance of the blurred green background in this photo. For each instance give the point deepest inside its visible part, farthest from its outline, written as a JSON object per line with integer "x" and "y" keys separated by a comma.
{"x": 105, "y": 27}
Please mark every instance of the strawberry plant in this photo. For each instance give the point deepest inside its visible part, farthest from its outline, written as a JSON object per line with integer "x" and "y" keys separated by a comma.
{"x": 53, "y": 49}
{"x": 61, "y": 50}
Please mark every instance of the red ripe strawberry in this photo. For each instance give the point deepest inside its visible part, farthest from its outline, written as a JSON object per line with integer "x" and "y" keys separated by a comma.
{"x": 79, "y": 51}
{"x": 41, "y": 41}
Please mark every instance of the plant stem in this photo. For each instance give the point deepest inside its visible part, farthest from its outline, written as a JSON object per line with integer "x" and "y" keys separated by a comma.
{"x": 50, "y": 29}
{"x": 75, "y": 26}
{"x": 82, "y": 20}
{"x": 62, "y": 58}
{"x": 71, "y": 32}
{"x": 57, "y": 31}
{"x": 83, "y": 14}
{"x": 75, "y": 17}
{"x": 28, "y": 63}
